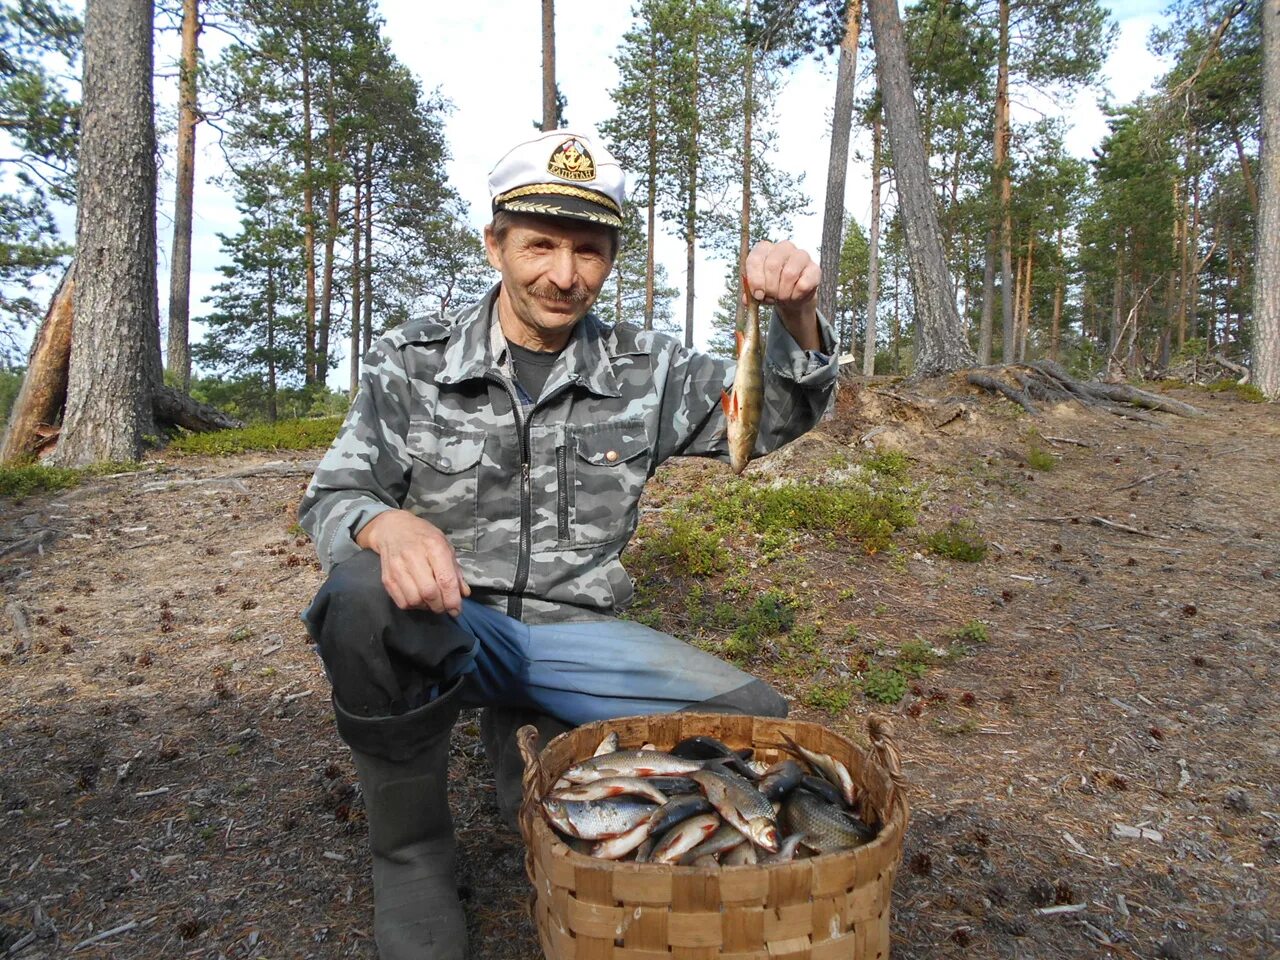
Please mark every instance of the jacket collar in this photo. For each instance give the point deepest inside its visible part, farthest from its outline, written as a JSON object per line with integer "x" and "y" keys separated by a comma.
{"x": 585, "y": 360}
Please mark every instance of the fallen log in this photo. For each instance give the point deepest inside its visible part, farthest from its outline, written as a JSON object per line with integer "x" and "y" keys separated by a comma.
{"x": 44, "y": 387}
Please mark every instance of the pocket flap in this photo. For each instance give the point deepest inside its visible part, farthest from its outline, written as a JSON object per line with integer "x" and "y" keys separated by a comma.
{"x": 611, "y": 445}
{"x": 446, "y": 448}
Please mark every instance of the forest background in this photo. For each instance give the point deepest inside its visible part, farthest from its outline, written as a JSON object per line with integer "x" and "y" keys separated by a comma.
{"x": 342, "y": 152}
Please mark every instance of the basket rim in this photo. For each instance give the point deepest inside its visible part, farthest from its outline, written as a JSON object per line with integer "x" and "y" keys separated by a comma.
{"x": 892, "y": 831}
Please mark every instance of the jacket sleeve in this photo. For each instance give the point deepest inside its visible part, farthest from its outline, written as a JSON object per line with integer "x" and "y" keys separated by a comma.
{"x": 798, "y": 387}
{"x": 366, "y": 471}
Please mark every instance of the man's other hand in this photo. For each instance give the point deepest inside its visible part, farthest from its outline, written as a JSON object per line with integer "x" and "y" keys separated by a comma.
{"x": 786, "y": 276}
{"x": 419, "y": 568}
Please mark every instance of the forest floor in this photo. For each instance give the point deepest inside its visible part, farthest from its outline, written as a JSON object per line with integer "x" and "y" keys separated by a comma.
{"x": 1102, "y": 732}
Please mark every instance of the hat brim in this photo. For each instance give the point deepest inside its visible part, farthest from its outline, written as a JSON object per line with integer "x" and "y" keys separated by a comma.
{"x": 555, "y": 205}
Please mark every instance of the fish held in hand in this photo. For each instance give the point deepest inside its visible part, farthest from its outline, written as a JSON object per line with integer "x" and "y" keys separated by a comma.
{"x": 744, "y": 406}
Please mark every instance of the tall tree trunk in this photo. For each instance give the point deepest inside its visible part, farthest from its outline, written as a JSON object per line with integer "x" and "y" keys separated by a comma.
{"x": 941, "y": 345}
{"x": 748, "y": 110}
{"x": 1004, "y": 187}
{"x": 1266, "y": 284}
{"x": 897, "y": 314}
{"x": 1184, "y": 266}
{"x": 1026, "y": 299}
{"x": 179, "y": 354}
{"x": 873, "y": 258}
{"x": 1250, "y": 187}
{"x": 838, "y": 161}
{"x": 308, "y": 221}
{"x": 272, "y": 412}
{"x": 1055, "y": 331}
{"x": 115, "y": 348}
{"x": 330, "y": 239}
{"x": 691, "y": 204}
{"x": 1193, "y": 285}
{"x": 651, "y": 177}
{"x": 550, "y": 106}
{"x": 367, "y": 326}
{"x": 988, "y": 299}
{"x": 356, "y": 285}
{"x": 1019, "y": 266}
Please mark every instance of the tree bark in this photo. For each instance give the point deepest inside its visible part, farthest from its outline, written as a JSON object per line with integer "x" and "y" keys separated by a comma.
{"x": 550, "y": 111}
{"x": 1003, "y": 185}
{"x": 691, "y": 205}
{"x": 356, "y": 263}
{"x": 652, "y": 176}
{"x": 1266, "y": 282}
{"x": 330, "y": 240}
{"x": 308, "y": 221}
{"x": 873, "y": 257}
{"x": 988, "y": 299}
{"x": 941, "y": 345}
{"x": 115, "y": 350}
{"x": 838, "y": 161}
{"x": 44, "y": 386}
{"x": 748, "y": 108}
{"x": 1055, "y": 332}
{"x": 179, "y": 353}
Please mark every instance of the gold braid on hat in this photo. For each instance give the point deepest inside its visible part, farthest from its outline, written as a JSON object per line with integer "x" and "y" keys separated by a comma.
{"x": 560, "y": 189}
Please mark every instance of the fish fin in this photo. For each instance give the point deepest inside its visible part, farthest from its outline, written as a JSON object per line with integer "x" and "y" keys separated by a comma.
{"x": 739, "y": 339}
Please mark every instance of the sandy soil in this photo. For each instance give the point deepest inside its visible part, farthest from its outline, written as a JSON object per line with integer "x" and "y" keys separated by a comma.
{"x": 172, "y": 785}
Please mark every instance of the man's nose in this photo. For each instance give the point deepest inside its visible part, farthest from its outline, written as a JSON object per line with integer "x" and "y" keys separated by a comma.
{"x": 562, "y": 269}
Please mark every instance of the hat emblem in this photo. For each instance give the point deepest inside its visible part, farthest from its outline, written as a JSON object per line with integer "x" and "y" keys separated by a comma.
{"x": 572, "y": 161}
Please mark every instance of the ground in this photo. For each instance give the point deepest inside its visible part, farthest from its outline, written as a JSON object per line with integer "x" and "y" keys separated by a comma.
{"x": 1101, "y": 733}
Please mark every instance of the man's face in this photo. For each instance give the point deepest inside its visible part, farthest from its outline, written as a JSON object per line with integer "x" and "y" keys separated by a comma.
{"x": 552, "y": 271}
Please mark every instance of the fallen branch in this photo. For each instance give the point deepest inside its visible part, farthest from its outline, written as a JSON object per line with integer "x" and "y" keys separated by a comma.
{"x": 1097, "y": 522}
{"x": 123, "y": 928}
{"x": 1141, "y": 480}
{"x": 1076, "y": 443}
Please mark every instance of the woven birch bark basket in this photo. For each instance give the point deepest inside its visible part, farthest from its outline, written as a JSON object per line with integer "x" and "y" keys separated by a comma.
{"x": 829, "y": 907}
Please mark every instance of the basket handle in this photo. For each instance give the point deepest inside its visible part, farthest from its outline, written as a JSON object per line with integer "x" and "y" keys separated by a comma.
{"x": 884, "y": 751}
{"x": 530, "y": 780}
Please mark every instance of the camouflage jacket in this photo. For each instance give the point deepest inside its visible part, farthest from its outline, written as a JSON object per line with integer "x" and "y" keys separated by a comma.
{"x": 538, "y": 501}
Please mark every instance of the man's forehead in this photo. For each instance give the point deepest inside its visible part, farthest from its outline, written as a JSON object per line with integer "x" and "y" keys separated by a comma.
{"x": 557, "y": 227}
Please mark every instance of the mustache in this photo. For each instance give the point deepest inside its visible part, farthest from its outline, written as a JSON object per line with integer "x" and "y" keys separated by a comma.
{"x": 578, "y": 295}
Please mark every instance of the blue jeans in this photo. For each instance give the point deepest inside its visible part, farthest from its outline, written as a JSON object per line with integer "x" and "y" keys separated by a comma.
{"x": 383, "y": 661}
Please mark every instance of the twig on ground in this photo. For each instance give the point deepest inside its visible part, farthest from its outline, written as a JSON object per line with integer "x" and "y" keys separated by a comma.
{"x": 1142, "y": 480}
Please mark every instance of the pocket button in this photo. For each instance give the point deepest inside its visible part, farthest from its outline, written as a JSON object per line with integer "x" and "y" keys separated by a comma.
{"x": 611, "y": 456}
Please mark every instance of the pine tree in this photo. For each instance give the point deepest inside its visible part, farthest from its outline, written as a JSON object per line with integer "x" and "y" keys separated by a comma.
{"x": 39, "y": 123}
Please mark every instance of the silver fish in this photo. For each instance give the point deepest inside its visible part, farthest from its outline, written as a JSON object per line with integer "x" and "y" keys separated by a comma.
{"x": 608, "y": 745}
{"x": 740, "y": 856}
{"x": 726, "y": 838}
{"x": 618, "y": 847}
{"x": 680, "y": 840}
{"x": 779, "y": 779}
{"x": 611, "y": 787}
{"x": 630, "y": 763}
{"x": 678, "y": 809}
{"x": 829, "y": 767}
{"x": 825, "y": 827}
{"x": 596, "y": 819}
{"x": 740, "y": 804}
{"x": 786, "y": 850}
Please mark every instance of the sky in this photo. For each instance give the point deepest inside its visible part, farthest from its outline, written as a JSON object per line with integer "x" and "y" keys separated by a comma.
{"x": 486, "y": 59}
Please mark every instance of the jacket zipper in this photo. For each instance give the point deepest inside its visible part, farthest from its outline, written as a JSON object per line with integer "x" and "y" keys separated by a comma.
{"x": 562, "y": 492}
{"x": 515, "y": 600}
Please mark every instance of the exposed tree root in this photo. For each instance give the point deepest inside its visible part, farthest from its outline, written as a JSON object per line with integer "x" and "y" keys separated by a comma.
{"x": 1047, "y": 382}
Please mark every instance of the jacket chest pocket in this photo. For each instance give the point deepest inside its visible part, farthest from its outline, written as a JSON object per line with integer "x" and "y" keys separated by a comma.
{"x": 444, "y": 483}
{"x": 603, "y": 470}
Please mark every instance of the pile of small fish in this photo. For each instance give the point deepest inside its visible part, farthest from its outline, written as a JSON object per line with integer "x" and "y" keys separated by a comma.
{"x": 703, "y": 803}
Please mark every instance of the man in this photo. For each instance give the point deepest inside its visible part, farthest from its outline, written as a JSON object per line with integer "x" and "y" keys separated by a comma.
{"x": 473, "y": 509}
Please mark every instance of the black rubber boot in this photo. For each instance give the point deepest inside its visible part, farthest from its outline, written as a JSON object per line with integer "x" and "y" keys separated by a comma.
{"x": 498, "y": 726}
{"x": 403, "y": 764}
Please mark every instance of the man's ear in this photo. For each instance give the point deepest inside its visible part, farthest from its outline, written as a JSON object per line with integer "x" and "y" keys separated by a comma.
{"x": 492, "y": 248}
